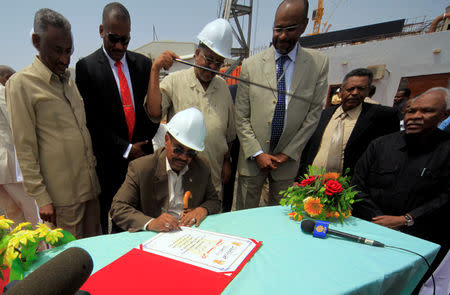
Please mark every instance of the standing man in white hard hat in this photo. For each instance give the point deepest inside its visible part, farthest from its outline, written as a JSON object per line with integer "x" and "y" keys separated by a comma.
{"x": 273, "y": 127}
{"x": 201, "y": 89}
{"x": 151, "y": 198}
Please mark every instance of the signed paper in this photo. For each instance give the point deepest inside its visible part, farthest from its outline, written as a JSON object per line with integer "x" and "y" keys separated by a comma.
{"x": 209, "y": 250}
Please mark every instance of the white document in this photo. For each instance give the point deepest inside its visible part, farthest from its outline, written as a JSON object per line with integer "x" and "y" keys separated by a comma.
{"x": 208, "y": 250}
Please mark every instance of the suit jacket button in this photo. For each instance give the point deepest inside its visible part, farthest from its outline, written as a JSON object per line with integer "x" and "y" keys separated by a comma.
{"x": 268, "y": 123}
{"x": 274, "y": 102}
{"x": 267, "y": 141}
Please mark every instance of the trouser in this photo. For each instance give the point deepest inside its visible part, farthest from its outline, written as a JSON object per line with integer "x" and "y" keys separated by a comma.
{"x": 81, "y": 220}
{"x": 250, "y": 187}
{"x": 19, "y": 206}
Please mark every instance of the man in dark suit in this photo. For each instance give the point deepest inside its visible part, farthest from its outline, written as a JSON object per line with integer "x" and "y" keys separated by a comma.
{"x": 345, "y": 131}
{"x": 113, "y": 83}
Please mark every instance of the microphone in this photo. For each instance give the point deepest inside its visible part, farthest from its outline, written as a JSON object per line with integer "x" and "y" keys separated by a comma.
{"x": 308, "y": 226}
{"x": 62, "y": 275}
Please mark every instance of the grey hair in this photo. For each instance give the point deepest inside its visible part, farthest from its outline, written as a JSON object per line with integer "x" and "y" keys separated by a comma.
{"x": 46, "y": 17}
{"x": 442, "y": 89}
{"x": 360, "y": 72}
{"x": 5, "y": 70}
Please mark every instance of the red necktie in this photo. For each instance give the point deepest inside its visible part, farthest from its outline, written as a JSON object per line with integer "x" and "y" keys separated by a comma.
{"x": 126, "y": 100}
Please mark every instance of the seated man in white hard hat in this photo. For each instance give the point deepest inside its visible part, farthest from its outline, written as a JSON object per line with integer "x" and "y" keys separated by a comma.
{"x": 202, "y": 89}
{"x": 151, "y": 198}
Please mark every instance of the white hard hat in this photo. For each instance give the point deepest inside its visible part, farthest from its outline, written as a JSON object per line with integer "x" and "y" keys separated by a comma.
{"x": 188, "y": 128}
{"x": 218, "y": 36}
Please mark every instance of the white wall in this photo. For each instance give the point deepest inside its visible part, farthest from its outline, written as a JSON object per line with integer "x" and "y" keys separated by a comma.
{"x": 403, "y": 56}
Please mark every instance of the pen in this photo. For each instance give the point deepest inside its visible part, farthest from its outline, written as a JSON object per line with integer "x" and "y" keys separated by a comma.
{"x": 423, "y": 171}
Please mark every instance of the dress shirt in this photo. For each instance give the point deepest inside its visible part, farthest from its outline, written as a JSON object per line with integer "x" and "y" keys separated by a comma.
{"x": 53, "y": 145}
{"x": 126, "y": 72}
{"x": 182, "y": 90}
{"x": 349, "y": 123}
{"x": 176, "y": 193}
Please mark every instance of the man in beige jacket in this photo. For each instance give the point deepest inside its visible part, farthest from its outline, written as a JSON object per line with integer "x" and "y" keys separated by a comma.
{"x": 273, "y": 127}
{"x": 48, "y": 122}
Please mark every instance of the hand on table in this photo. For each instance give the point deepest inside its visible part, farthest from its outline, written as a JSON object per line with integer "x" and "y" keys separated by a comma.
{"x": 390, "y": 221}
{"x": 187, "y": 219}
{"x": 164, "y": 223}
{"x": 47, "y": 213}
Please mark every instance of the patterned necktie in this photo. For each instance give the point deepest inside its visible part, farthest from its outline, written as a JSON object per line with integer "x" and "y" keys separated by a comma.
{"x": 126, "y": 100}
{"x": 334, "y": 160}
{"x": 280, "y": 108}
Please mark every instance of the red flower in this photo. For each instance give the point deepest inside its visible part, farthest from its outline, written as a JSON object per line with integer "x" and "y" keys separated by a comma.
{"x": 333, "y": 187}
{"x": 307, "y": 181}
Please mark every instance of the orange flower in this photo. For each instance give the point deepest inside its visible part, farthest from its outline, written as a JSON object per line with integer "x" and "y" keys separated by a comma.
{"x": 313, "y": 207}
{"x": 336, "y": 214}
{"x": 331, "y": 175}
{"x": 295, "y": 216}
{"x": 348, "y": 214}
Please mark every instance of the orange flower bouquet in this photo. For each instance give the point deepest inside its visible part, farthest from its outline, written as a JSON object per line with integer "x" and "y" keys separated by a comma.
{"x": 320, "y": 195}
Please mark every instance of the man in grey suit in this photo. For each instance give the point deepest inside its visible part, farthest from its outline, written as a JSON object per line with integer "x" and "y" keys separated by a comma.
{"x": 274, "y": 126}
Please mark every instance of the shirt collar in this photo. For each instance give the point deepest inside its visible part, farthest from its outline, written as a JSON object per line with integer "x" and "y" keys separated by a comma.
{"x": 354, "y": 113}
{"x": 292, "y": 54}
{"x": 170, "y": 170}
{"x": 195, "y": 83}
{"x": 47, "y": 74}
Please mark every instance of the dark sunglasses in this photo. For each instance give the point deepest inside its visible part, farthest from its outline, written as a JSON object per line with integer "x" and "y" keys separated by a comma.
{"x": 114, "y": 38}
{"x": 188, "y": 152}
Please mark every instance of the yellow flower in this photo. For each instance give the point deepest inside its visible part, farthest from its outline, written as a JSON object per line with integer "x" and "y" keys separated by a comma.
{"x": 313, "y": 207}
{"x": 42, "y": 230}
{"x": 25, "y": 225}
{"x": 307, "y": 200}
{"x": 336, "y": 214}
{"x": 24, "y": 236}
{"x": 10, "y": 255}
{"x": 53, "y": 236}
{"x": 5, "y": 223}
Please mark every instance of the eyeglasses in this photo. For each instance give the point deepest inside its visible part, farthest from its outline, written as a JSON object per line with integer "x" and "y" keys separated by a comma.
{"x": 114, "y": 38}
{"x": 213, "y": 62}
{"x": 289, "y": 29}
{"x": 360, "y": 89}
{"x": 180, "y": 151}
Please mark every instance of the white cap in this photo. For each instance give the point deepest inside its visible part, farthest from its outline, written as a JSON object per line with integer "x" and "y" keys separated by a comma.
{"x": 188, "y": 128}
{"x": 218, "y": 36}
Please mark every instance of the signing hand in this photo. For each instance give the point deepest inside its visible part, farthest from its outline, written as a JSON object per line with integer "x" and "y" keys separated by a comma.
{"x": 266, "y": 162}
{"x": 165, "y": 222}
{"x": 198, "y": 213}
{"x": 393, "y": 222}
{"x": 47, "y": 213}
{"x": 165, "y": 60}
{"x": 136, "y": 150}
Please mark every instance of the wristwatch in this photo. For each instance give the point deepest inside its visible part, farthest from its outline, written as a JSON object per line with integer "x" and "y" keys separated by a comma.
{"x": 409, "y": 220}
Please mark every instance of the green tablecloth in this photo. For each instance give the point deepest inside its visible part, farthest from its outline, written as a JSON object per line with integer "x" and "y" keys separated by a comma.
{"x": 291, "y": 262}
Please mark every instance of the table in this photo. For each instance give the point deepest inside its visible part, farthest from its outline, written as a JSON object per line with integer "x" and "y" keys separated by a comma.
{"x": 292, "y": 261}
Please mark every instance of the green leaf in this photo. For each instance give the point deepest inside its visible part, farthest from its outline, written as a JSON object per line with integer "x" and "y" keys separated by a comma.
{"x": 68, "y": 237}
{"x": 17, "y": 271}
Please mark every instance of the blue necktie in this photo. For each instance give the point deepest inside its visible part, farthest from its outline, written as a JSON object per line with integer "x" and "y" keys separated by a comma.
{"x": 278, "y": 115}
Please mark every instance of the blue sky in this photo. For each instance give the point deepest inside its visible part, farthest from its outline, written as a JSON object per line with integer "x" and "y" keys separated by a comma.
{"x": 181, "y": 20}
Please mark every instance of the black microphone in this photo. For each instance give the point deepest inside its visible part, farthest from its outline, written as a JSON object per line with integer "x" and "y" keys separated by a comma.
{"x": 309, "y": 225}
{"x": 62, "y": 275}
